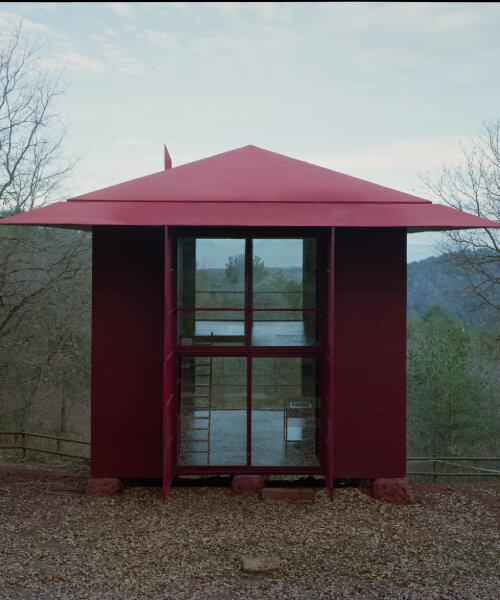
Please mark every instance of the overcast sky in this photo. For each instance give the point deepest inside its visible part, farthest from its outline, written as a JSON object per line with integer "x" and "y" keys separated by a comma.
{"x": 381, "y": 91}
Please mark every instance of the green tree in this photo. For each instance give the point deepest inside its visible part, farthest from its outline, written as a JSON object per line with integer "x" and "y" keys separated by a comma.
{"x": 447, "y": 386}
{"x": 235, "y": 269}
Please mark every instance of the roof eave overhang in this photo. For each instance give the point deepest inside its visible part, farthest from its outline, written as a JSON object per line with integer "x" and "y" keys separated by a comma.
{"x": 416, "y": 217}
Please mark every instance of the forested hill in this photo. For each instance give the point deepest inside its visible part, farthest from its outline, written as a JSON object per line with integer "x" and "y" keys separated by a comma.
{"x": 435, "y": 281}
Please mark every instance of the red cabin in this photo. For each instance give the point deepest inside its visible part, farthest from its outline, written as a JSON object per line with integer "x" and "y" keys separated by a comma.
{"x": 249, "y": 316}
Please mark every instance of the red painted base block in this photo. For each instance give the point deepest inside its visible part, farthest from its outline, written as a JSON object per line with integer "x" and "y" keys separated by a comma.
{"x": 104, "y": 486}
{"x": 247, "y": 484}
{"x": 304, "y": 494}
{"x": 392, "y": 490}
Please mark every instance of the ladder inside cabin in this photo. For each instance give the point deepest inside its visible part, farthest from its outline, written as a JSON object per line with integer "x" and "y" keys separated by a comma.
{"x": 196, "y": 411}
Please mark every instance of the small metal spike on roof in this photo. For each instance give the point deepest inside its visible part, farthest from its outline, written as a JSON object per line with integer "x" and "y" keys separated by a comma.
{"x": 168, "y": 160}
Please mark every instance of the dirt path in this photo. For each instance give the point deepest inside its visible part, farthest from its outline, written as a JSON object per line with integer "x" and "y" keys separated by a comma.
{"x": 57, "y": 543}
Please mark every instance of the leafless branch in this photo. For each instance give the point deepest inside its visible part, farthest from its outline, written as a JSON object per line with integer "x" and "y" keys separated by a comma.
{"x": 473, "y": 186}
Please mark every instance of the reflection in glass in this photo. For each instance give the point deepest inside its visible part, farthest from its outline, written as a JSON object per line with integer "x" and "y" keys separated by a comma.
{"x": 212, "y": 411}
{"x": 211, "y": 328}
{"x": 284, "y": 273}
{"x": 284, "y": 328}
{"x": 284, "y": 277}
{"x": 211, "y": 275}
{"x": 285, "y": 412}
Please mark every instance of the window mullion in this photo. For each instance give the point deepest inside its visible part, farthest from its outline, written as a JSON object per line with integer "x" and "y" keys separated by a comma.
{"x": 248, "y": 289}
{"x": 248, "y": 327}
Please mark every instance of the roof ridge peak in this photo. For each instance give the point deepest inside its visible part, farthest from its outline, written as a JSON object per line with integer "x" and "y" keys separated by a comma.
{"x": 249, "y": 174}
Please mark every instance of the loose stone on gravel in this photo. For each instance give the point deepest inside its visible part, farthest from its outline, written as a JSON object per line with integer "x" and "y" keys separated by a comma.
{"x": 259, "y": 563}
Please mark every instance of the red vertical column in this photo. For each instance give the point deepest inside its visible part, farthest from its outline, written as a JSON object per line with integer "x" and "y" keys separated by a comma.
{"x": 327, "y": 368}
{"x": 169, "y": 369}
{"x": 127, "y": 351}
{"x": 369, "y": 383}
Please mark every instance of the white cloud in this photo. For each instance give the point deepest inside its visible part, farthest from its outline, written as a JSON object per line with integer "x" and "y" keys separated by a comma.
{"x": 114, "y": 57}
{"x": 131, "y": 66}
{"x": 169, "y": 40}
{"x": 30, "y": 7}
{"x": 265, "y": 11}
{"x": 244, "y": 45}
{"x": 110, "y": 32}
{"x": 231, "y": 9}
{"x": 269, "y": 11}
{"x": 409, "y": 35}
{"x": 74, "y": 62}
{"x": 123, "y": 9}
{"x": 9, "y": 21}
{"x": 411, "y": 154}
{"x": 144, "y": 143}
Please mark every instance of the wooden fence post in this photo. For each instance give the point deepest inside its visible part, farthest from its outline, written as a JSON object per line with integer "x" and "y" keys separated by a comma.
{"x": 23, "y": 443}
{"x": 434, "y": 468}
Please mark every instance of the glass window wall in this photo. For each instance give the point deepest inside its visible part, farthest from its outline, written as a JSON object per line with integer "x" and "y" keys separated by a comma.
{"x": 255, "y": 296}
{"x": 212, "y": 411}
{"x": 211, "y": 291}
{"x": 285, "y": 412}
{"x": 212, "y": 288}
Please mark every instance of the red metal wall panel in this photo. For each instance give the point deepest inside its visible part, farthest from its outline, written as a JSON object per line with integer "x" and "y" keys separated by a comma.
{"x": 370, "y": 384}
{"x": 370, "y": 320}
{"x": 130, "y": 376}
{"x": 369, "y": 446}
{"x": 126, "y": 320}
{"x": 127, "y": 270}
{"x": 367, "y": 250}
{"x": 126, "y": 242}
{"x": 370, "y": 353}
{"x": 126, "y": 445}
{"x": 127, "y": 351}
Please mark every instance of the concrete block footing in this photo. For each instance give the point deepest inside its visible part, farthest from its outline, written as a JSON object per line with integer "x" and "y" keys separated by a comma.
{"x": 104, "y": 486}
{"x": 392, "y": 490}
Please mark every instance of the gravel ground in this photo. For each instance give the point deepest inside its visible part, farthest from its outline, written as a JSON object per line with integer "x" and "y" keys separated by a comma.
{"x": 57, "y": 543}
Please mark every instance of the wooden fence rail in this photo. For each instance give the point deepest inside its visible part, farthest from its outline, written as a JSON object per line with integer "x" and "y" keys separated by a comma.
{"x": 24, "y": 447}
{"x": 449, "y": 461}
{"x": 434, "y": 460}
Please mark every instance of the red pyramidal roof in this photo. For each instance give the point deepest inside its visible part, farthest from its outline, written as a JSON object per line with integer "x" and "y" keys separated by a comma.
{"x": 249, "y": 187}
{"x": 248, "y": 174}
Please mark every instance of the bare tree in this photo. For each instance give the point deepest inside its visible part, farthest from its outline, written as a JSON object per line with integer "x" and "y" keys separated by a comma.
{"x": 44, "y": 273}
{"x": 31, "y": 130}
{"x": 32, "y": 169}
{"x": 473, "y": 185}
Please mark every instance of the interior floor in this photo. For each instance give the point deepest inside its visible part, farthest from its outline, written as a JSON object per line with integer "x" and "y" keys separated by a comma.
{"x": 264, "y": 333}
{"x": 226, "y": 443}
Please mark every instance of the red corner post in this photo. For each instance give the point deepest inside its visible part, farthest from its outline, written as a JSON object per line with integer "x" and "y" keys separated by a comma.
{"x": 168, "y": 370}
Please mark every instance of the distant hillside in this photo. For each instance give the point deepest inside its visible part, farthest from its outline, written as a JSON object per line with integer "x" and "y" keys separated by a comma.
{"x": 434, "y": 281}
{"x": 430, "y": 281}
